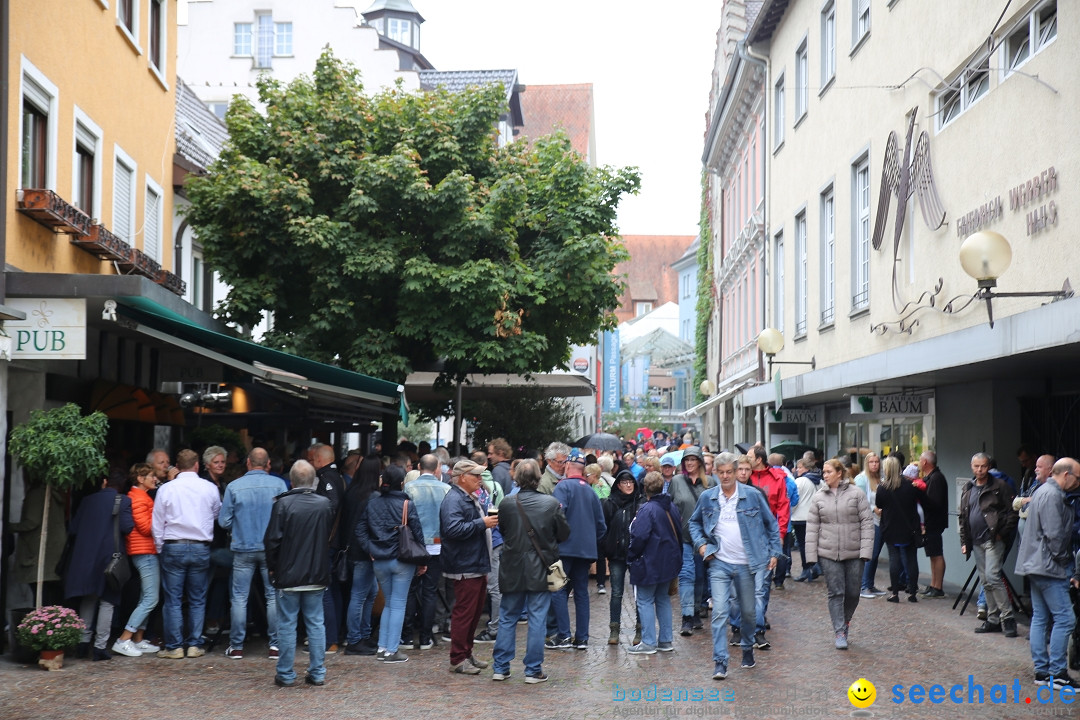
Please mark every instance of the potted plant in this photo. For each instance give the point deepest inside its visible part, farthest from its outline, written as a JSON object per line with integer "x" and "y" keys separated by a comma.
{"x": 59, "y": 448}
{"x": 49, "y": 630}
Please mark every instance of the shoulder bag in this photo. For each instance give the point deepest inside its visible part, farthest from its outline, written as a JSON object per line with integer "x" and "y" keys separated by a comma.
{"x": 118, "y": 571}
{"x": 673, "y": 586}
{"x": 409, "y": 550}
{"x": 556, "y": 576}
{"x": 341, "y": 567}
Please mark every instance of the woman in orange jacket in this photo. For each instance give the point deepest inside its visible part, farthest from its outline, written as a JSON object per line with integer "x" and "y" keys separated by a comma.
{"x": 141, "y": 550}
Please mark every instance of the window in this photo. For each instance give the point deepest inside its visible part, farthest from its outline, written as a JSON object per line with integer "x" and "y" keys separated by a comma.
{"x": 242, "y": 39}
{"x": 860, "y": 21}
{"x": 642, "y": 308}
{"x": 828, "y": 44}
{"x": 263, "y": 40}
{"x": 800, "y": 274}
{"x": 400, "y": 30}
{"x": 802, "y": 81}
{"x": 152, "y": 221}
{"x": 828, "y": 256}
{"x": 86, "y": 167}
{"x": 123, "y": 221}
{"x": 219, "y": 109}
{"x": 157, "y": 35}
{"x": 1037, "y": 30}
{"x": 283, "y": 39}
{"x": 685, "y": 281}
{"x": 965, "y": 90}
{"x": 686, "y": 331}
{"x": 127, "y": 19}
{"x": 38, "y": 131}
{"x": 778, "y": 281}
{"x": 860, "y": 220}
{"x": 778, "y": 112}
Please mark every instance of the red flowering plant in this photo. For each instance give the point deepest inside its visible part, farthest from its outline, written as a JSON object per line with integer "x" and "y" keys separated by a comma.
{"x": 52, "y": 627}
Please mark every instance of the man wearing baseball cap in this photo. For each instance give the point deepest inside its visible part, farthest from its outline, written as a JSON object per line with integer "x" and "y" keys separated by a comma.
{"x": 578, "y": 552}
{"x": 667, "y": 469}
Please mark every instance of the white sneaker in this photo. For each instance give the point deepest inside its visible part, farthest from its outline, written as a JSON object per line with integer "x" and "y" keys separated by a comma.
{"x": 126, "y": 647}
{"x": 145, "y": 646}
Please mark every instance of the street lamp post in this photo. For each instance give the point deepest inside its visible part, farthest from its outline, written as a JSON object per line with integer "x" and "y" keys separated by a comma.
{"x": 771, "y": 341}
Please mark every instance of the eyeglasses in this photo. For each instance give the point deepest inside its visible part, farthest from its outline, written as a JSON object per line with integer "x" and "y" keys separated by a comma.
{"x": 626, "y": 481}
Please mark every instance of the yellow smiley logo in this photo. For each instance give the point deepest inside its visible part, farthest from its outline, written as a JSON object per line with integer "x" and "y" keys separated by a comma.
{"x": 862, "y": 693}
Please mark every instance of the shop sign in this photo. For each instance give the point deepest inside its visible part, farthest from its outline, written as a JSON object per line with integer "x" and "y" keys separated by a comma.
{"x": 890, "y": 404}
{"x": 54, "y": 329}
{"x": 811, "y": 416}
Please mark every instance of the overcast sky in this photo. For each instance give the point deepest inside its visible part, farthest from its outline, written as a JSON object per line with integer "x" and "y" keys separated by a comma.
{"x": 650, "y": 65}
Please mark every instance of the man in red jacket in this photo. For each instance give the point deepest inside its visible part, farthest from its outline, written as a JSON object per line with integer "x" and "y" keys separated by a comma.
{"x": 773, "y": 482}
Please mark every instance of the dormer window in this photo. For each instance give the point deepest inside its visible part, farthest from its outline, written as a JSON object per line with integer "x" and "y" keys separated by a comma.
{"x": 400, "y": 30}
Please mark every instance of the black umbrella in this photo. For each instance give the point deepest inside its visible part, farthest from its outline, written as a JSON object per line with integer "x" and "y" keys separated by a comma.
{"x": 792, "y": 450}
{"x": 601, "y": 441}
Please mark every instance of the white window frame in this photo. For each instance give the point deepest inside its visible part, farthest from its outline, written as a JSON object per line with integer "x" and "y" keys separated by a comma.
{"x": 401, "y": 24}
{"x": 642, "y": 307}
{"x": 828, "y": 256}
{"x": 960, "y": 94}
{"x": 241, "y": 29}
{"x": 283, "y": 30}
{"x": 778, "y": 113}
{"x": 88, "y": 132}
{"x": 264, "y": 26}
{"x": 778, "y": 280}
{"x": 801, "y": 271}
{"x": 152, "y": 188}
{"x": 1035, "y": 38}
{"x": 860, "y": 233}
{"x": 802, "y": 80}
{"x": 163, "y": 42}
{"x": 860, "y": 23}
{"x": 121, "y": 158}
{"x": 45, "y": 95}
{"x": 828, "y": 44}
{"x": 131, "y": 35}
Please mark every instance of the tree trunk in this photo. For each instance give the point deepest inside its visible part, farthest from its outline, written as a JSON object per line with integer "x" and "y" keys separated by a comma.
{"x": 41, "y": 545}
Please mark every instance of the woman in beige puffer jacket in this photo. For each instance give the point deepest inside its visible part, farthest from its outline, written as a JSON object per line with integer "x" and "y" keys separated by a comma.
{"x": 840, "y": 538}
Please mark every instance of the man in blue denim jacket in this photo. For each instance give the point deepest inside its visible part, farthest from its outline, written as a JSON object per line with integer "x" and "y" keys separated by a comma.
{"x": 737, "y": 535}
{"x": 245, "y": 510}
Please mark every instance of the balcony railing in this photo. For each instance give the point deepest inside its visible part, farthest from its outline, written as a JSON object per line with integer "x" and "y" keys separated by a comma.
{"x": 172, "y": 282}
{"x": 52, "y": 211}
{"x": 102, "y": 243}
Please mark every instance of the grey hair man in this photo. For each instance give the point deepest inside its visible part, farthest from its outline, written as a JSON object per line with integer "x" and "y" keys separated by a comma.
{"x": 987, "y": 521}
{"x": 1045, "y": 558}
{"x": 158, "y": 458}
{"x": 245, "y": 510}
{"x": 299, "y": 568}
{"x": 555, "y": 457}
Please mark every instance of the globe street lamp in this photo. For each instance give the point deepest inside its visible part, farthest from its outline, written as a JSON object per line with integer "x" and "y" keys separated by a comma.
{"x": 771, "y": 341}
{"x": 985, "y": 256}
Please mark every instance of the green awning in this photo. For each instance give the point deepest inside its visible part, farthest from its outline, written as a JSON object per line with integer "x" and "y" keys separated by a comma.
{"x": 266, "y": 363}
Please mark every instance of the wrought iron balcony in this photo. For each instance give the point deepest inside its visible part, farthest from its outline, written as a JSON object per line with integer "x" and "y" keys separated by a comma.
{"x": 52, "y": 211}
{"x": 143, "y": 264}
{"x": 172, "y": 282}
{"x": 104, "y": 244}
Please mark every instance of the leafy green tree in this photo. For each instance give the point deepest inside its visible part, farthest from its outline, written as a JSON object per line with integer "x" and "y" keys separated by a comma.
{"x": 418, "y": 430}
{"x": 389, "y": 232}
{"x": 61, "y": 448}
{"x": 526, "y": 419}
{"x": 627, "y": 420}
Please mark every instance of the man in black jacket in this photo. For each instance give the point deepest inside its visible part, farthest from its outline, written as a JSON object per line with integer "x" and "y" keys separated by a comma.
{"x": 295, "y": 541}
{"x": 523, "y": 571}
{"x": 331, "y": 485}
{"x": 936, "y": 513}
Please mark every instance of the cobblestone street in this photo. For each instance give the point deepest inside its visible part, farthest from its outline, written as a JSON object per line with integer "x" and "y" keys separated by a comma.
{"x": 801, "y": 676}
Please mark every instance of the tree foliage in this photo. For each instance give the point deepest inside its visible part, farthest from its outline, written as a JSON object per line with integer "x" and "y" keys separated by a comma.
{"x": 61, "y": 446}
{"x": 705, "y": 292}
{"x": 388, "y": 232}
{"x": 527, "y": 419}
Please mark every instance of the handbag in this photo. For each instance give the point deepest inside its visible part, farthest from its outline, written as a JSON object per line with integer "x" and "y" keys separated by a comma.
{"x": 409, "y": 550}
{"x": 556, "y": 575}
{"x": 673, "y": 586}
{"x": 118, "y": 571}
{"x": 340, "y": 566}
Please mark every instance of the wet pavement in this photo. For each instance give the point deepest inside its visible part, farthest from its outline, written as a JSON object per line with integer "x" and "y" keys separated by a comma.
{"x": 896, "y": 647}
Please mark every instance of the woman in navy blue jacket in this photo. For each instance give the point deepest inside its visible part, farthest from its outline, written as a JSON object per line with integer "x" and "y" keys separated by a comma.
{"x": 654, "y": 557}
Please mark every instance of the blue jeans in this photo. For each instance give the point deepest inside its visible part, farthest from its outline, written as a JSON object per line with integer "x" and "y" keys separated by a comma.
{"x": 244, "y": 566}
{"x": 185, "y": 570}
{"x": 762, "y": 588}
{"x": 361, "y": 602}
{"x": 691, "y": 580}
{"x": 871, "y": 567}
{"x": 577, "y": 572}
{"x": 1050, "y": 605}
{"x": 513, "y": 604}
{"x": 654, "y": 603}
{"x": 149, "y": 584}
{"x": 394, "y": 579}
{"x": 726, "y": 581}
{"x": 289, "y": 606}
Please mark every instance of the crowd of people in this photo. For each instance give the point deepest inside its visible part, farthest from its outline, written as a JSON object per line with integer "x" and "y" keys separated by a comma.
{"x": 443, "y": 539}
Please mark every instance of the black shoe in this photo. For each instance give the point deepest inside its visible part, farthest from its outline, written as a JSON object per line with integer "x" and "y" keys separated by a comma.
{"x": 687, "y": 626}
{"x": 312, "y": 681}
{"x": 988, "y": 627}
{"x": 1044, "y": 678}
{"x": 933, "y": 593}
{"x": 359, "y": 648}
{"x": 894, "y": 598}
{"x": 760, "y": 643}
{"x": 1008, "y": 627}
{"x": 1062, "y": 680}
{"x": 280, "y": 682}
{"x": 912, "y": 598}
{"x": 806, "y": 575}
{"x": 698, "y": 624}
{"x": 748, "y": 659}
{"x": 82, "y": 650}
{"x": 736, "y": 638}
{"x": 102, "y": 654}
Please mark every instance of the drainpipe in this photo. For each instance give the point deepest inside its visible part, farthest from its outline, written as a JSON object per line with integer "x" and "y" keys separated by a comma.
{"x": 762, "y": 62}
{"x": 5, "y": 485}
